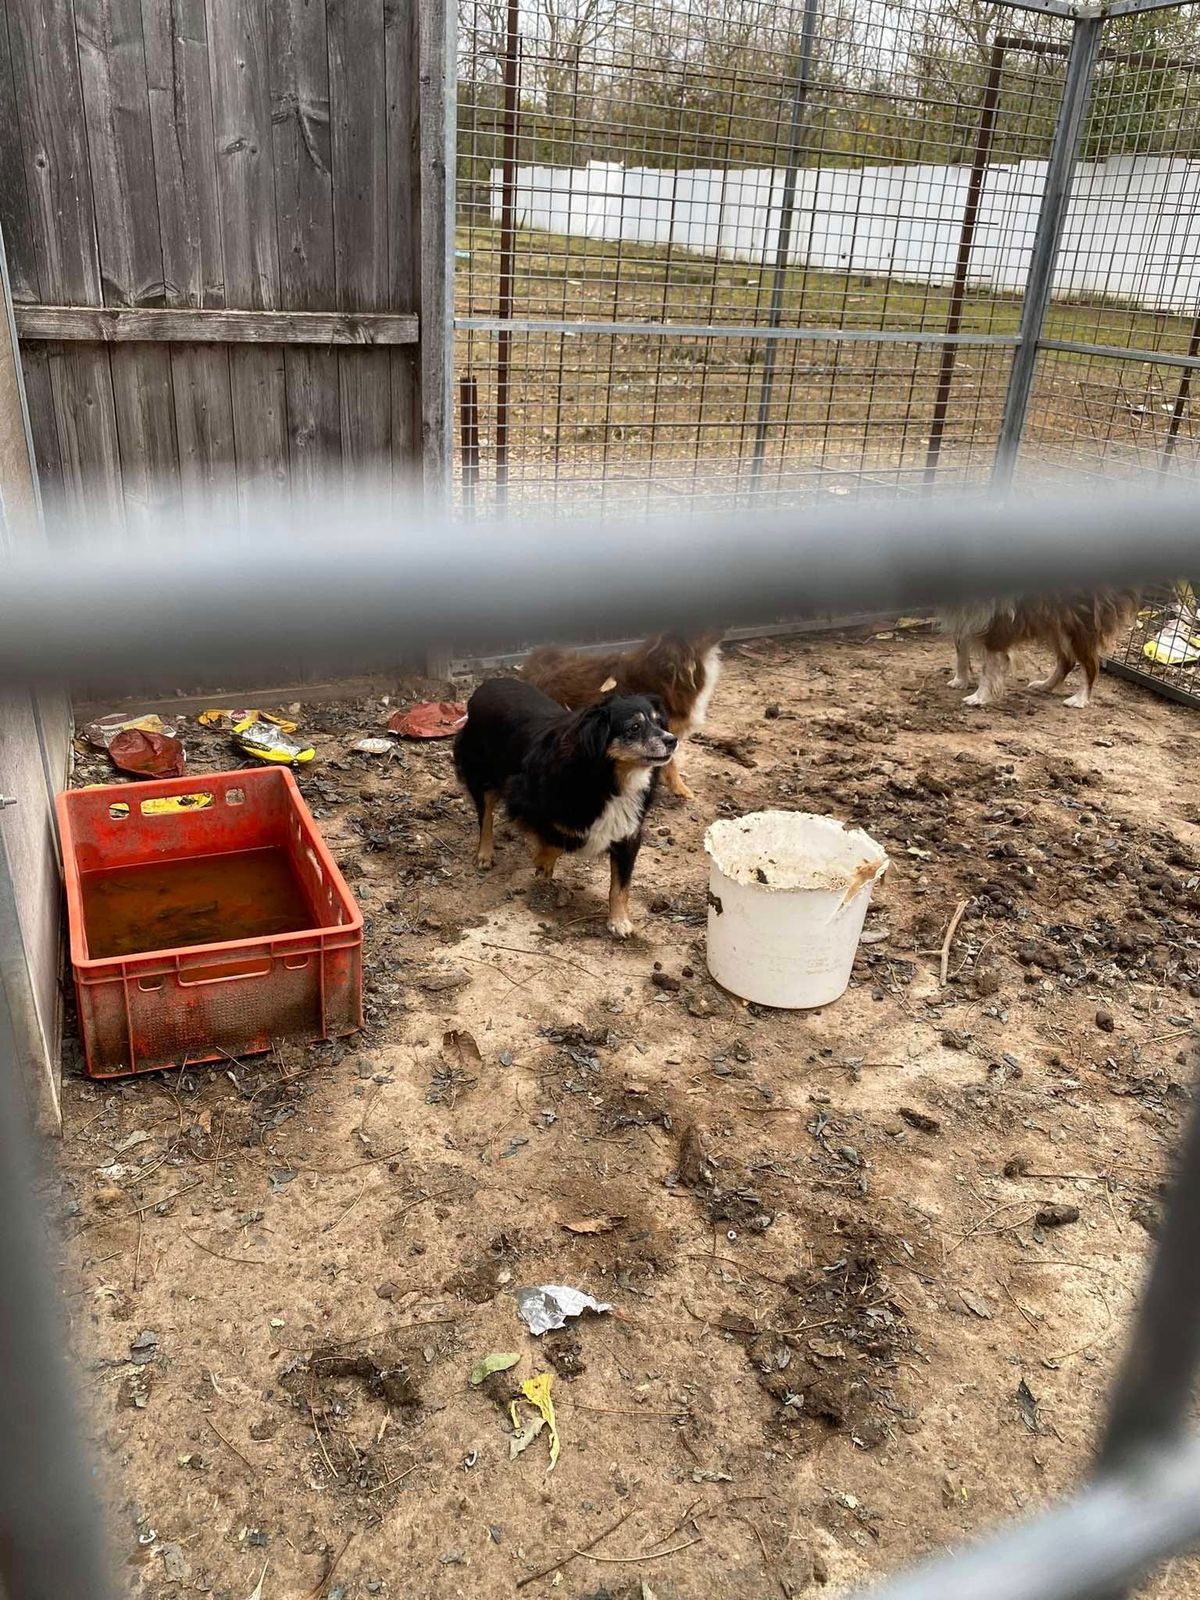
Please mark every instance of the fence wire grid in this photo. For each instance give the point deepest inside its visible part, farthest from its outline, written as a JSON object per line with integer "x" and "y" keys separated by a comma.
{"x": 785, "y": 244}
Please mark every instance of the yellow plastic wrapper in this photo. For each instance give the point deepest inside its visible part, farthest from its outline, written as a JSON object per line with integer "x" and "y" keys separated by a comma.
{"x": 536, "y": 1391}
{"x": 217, "y": 717}
{"x": 267, "y": 741}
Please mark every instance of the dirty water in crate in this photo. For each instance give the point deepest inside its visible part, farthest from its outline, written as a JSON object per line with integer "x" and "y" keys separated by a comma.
{"x": 249, "y": 894}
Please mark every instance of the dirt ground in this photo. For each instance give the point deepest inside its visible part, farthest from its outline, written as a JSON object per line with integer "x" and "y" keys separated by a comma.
{"x": 870, "y": 1268}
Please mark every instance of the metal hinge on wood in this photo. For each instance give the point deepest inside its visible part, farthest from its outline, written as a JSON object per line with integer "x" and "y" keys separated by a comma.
{"x": 7, "y": 800}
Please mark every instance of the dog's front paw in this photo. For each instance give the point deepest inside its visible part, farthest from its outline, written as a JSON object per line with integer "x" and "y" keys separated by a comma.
{"x": 959, "y": 682}
{"x": 976, "y": 699}
{"x": 1078, "y": 700}
{"x": 620, "y": 927}
{"x": 484, "y": 860}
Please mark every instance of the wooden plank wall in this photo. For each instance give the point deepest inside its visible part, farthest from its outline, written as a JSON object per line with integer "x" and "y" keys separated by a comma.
{"x": 208, "y": 157}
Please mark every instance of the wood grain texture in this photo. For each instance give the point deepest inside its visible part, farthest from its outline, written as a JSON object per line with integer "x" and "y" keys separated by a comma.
{"x": 116, "y": 106}
{"x": 314, "y": 419}
{"x": 299, "y": 51}
{"x": 406, "y": 420}
{"x": 365, "y": 396}
{"x": 241, "y": 99}
{"x": 222, "y": 217}
{"x": 204, "y": 425}
{"x": 175, "y": 37}
{"x": 259, "y": 418}
{"x": 54, "y": 141}
{"x": 403, "y": 86}
{"x": 108, "y": 325}
{"x": 85, "y": 414}
{"x": 358, "y": 127}
{"x": 144, "y": 403}
{"x": 299, "y": 60}
{"x": 16, "y": 222}
{"x": 39, "y": 397}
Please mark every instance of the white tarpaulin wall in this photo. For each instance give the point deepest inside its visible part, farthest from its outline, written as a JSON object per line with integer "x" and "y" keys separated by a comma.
{"x": 1132, "y": 230}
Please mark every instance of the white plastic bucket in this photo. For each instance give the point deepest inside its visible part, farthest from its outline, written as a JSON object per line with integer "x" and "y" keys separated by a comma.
{"x": 787, "y": 895}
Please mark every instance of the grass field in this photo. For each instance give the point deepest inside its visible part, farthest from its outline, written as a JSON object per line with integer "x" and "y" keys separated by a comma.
{"x": 596, "y": 407}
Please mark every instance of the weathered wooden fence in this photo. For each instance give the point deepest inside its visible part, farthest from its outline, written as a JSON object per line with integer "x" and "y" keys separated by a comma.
{"x": 226, "y": 233}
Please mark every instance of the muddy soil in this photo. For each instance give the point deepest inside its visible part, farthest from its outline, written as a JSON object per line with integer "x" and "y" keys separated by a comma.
{"x": 869, "y": 1268}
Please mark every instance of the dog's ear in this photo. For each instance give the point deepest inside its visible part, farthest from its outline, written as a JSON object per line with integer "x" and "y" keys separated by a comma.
{"x": 660, "y": 707}
{"x": 595, "y": 731}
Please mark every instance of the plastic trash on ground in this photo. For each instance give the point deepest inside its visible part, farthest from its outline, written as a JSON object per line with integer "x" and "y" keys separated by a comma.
{"x": 1175, "y": 645}
{"x": 267, "y": 741}
{"x": 432, "y": 719}
{"x": 547, "y": 1306}
{"x": 147, "y": 754}
{"x": 374, "y": 747}
{"x": 104, "y": 730}
{"x": 218, "y": 717}
{"x": 536, "y": 1391}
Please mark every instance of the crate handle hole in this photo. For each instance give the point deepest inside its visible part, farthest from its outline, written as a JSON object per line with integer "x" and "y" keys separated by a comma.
{"x": 170, "y": 805}
{"x": 119, "y": 810}
{"x": 226, "y": 972}
{"x": 295, "y": 963}
{"x": 149, "y": 985}
{"x": 235, "y": 797}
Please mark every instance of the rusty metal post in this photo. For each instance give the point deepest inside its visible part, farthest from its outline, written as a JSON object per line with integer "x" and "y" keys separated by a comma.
{"x": 1182, "y": 398}
{"x": 958, "y": 292}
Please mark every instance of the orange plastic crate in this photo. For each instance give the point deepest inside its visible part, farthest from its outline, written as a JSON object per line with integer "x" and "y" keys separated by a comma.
{"x": 264, "y": 936}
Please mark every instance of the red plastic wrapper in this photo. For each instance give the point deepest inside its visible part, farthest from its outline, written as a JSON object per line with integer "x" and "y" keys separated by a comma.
{"x": 148, "y": 755}
{"x": 433, "y": 719}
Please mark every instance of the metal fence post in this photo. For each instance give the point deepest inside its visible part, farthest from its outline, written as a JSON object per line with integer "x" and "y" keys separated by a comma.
{"x": 437, "y": 54}
{"x": 783, "y": 238}
{"x": 1060, "y": 170}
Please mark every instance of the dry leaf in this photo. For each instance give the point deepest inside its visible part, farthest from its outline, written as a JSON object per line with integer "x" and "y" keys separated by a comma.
{"x": 590, "y": 1224}
{"x": 976, "y": 1304}
{"x": 460, "y": 1047}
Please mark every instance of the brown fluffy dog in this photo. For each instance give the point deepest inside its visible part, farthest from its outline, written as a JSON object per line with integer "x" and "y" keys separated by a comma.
{"x": 682, "y": 672}
{"x": 1077, "y": 627}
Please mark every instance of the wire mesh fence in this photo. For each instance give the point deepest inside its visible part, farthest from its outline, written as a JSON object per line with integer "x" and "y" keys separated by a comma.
{"x": 810, "y": 247}
{"x": 784, "y": 244}
{"x": 768, "y": 244}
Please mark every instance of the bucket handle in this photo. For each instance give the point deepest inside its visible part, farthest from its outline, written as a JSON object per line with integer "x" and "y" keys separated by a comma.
{"x": 865, "y": 873}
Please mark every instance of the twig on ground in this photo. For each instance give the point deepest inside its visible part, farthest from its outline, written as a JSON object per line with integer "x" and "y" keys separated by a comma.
{"x": 959, "y": 912}
{"x": 767, "y": 1562}
{"x": 399, "y": 1478}
{"x": 561, "y": 1561}
{"x": 655, "y": 1555}
{"x": 440, "y": 1194}
{"x": 331, "y": 1567}
{"x": 173, "y": 1194}
{"x": 321, "y": 1444}
{"x": 237, "y": 1261}
{"x": 230, "y": 1446}
{"x": 137, "y": 1260}
{"x": 329, "y": 1227}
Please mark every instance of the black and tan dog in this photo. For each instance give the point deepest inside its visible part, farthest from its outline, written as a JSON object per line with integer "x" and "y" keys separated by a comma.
{"x": 680, "y": 671}
{"x": 575, "y": 783}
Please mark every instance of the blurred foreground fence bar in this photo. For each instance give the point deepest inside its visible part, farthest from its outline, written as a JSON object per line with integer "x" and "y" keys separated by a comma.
{"x": 347, "y": 581}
